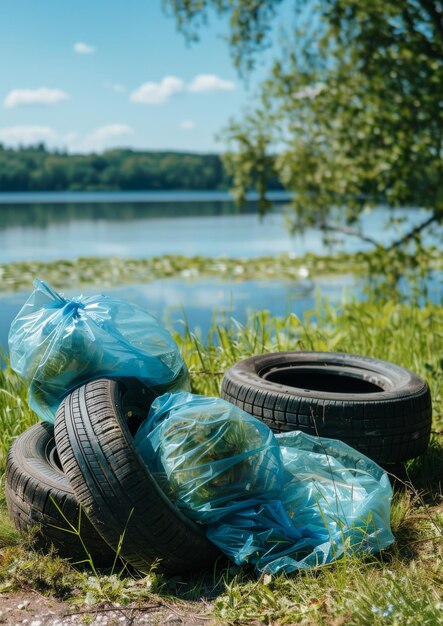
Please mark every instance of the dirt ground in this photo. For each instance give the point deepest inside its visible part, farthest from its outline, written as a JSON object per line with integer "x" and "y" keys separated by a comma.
{"x": 32, "y": 609}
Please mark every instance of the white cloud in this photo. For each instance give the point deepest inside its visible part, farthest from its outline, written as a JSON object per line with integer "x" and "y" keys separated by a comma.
{"x": 157, "y": 93}
{"x": 205, "y": 83}
{"x": 28, "y": 97}
{"x": 111, "y": 130}
{"x": 27, "y": 135}
{"x": 114, "y": 86}
{"x": 83, "y": 48}
{"x": 104, "y": 137}
{"x": 187, "y": 125}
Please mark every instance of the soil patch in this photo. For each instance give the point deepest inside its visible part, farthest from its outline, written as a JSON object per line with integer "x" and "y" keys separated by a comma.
{"x": 31, "y": 609}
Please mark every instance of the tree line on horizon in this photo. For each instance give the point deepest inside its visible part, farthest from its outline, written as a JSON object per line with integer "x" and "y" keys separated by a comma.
{"x": 39, "y": 169}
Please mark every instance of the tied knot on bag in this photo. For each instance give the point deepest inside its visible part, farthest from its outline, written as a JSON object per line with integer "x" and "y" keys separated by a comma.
{"x": 58, "y": 344}
{"x": 71, "y": 308}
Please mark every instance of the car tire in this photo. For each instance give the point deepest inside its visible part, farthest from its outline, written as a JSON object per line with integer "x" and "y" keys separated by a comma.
{"x": 116, "y": 489}
{"x": 379, "y": 408}
{"x": 38, "y": 495}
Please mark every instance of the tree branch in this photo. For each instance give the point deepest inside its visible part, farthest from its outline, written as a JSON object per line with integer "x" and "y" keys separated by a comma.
{"x": 345, "y": 230}
{"x": 413, "y": 232}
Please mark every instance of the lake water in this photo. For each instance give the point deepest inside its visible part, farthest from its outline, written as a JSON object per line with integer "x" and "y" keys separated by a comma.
{"x": 69, "y": 225}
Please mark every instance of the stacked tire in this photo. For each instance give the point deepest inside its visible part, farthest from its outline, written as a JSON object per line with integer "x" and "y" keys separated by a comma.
{"x": 85, "y": 488}
{"x": 105, "y": 482}
{"x": 40, "y": 499}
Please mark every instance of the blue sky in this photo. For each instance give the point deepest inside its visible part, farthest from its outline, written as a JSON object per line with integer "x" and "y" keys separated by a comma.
{"x": 92, "y": 74}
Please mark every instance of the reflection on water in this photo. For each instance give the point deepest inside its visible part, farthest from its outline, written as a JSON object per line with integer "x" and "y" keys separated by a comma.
{"x": 137, "y": 225}
{"x": 148, "y": 225}
{"x": 46, "y": 212}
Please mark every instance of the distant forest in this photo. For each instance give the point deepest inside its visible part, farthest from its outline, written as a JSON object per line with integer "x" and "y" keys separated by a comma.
{"x": 37, "y": 169}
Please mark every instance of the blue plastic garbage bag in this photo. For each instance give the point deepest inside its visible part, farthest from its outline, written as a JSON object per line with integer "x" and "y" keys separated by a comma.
{"x": 280, "y": 503}
{"x": 208, "y": 455}
{"x": 334, "y": 501}
{"x": 57, "y": 344}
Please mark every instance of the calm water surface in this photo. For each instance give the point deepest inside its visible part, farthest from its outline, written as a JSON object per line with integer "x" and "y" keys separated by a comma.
{"x": 54, "y": 226}
{"x": 69, "y": 225}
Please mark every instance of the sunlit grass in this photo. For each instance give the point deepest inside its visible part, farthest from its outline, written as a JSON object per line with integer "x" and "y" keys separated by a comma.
{"x": 403, "y": 585}
{"x": 15, "y": 415}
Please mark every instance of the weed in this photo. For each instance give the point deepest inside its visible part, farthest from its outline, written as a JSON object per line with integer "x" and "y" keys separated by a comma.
{"x": 27, "y": 570}
{"x": 114, "y": 589}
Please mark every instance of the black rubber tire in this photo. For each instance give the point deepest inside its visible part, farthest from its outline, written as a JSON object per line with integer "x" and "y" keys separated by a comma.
{"x": 35, "y": 486}
{"x": 381, "y": 409}
{"x": 110, "y": 480}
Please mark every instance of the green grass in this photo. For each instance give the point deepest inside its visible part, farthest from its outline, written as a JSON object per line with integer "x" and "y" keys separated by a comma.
{"x": 15, "y": 415}
{"x": 403, "y": 585}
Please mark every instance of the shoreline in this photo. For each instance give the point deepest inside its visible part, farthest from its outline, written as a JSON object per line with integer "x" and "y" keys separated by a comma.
{"x": 122, "y": 196}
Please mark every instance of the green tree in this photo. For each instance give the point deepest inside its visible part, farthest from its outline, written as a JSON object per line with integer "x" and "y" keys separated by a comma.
{"x": 37, "y": 169}
{"x": 352, "y": 112}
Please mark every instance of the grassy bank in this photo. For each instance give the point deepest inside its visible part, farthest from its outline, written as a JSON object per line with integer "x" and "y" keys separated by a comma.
{"x": 401, "y": 586}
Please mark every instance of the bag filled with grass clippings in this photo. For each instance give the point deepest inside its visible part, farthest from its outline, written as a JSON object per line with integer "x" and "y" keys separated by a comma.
{"x": 57, "y": 344}
{"x": 208, "y": 455}
{"x": 278, "y": 502}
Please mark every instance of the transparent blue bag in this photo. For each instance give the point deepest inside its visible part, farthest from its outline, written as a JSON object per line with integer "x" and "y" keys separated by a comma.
{"x": 208, "y": 455}
{"x": 280, "y": 503}
{"x": 57, "y": 344}
{"x": 334, "y": 501}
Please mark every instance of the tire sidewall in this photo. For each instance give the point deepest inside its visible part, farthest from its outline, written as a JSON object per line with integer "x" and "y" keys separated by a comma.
{"x": 403, "y": 382}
